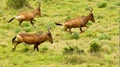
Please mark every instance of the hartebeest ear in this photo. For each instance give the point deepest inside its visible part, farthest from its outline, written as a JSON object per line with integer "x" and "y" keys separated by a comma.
{"x": 49, "y": 29}
{"x": 39, "y": 4}
{"x": 91, "y": 9}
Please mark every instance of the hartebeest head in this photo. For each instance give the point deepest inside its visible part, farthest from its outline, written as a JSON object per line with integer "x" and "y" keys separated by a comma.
{"x": 50, "y": 39}
{"x": 91, "y": 15}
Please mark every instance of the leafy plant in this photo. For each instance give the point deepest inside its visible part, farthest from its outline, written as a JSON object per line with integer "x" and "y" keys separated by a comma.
{"x": 74, "y": 36}
{"x": 43, "y": 49}
{"x": 74, "y": 59}
{"x": 104, "y": 36}
{"x": 72, "y": 50}
{"x": 17, "y": 30}
{"x": 102, "y": 4}
{"x": 95, "y": 46}
{"x": 117, "y": 3}
{"x": 17, "y": 3}
{"x": 26, "y": 49}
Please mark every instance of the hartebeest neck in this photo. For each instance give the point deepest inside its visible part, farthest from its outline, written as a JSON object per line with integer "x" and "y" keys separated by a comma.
{"x": 35, "y": 12}
{"x": 86, "y": 19}
{"x": 43, "y": 37}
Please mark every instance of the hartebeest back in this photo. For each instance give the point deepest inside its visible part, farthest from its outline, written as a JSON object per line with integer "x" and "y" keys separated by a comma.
{"x": 27, "y": 16}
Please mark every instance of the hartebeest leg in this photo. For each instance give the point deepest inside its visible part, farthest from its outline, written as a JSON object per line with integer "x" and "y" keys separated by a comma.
{"x": 15, "y": 45}
{"x": 36, "y": 47}
{"x": 32, "y": 22}
{"x": 70, "y": 31}
{"x": 86, "y": 26}
{"x": 81, "y": 29}
{"x": 20, "y": 22}
{"x": 65, "y": 28}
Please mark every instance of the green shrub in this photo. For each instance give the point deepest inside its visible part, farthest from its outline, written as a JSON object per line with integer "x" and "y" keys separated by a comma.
{"x": 26, "y": 48}
{"x": 17, "y": 3}
{"x": 100, "y": 16}
{"x": 49, "y": 24}
{"x": 28, "y": 29}
{"x": 72, "y": 50}
{"x": 90, "y": 34}
{"x": 68, "y": 50}
{"x": 90, "y": 0}
{"x": 17, "y": 30}
{"x": 26, "y": 24}
{"x": 1, "y": 11}
{"x": 117, "y": 3}
{"x": 74, "y": 59}
{"x": 90, "y": 23}
{"x": 43, "y": 49}
{"x": 95, "y": 46}
{"x": 74, "y": 36}
{"x": 104, "y": 36}
{"x": 102, "y": 5}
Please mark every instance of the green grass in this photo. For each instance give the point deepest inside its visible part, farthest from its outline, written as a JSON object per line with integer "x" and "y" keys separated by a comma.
{"x": 104, "y": 31}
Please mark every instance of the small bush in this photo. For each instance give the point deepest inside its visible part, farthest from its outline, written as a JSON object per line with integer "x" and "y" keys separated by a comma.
{"x": 90, "y": 23}
{"x": 90, "y": 34}
{"x": 101, "y": 16}
{"x": 17, "y": 30}
{"x": 26, "y": 49}
{"x": 1, "y": 11}
{"x": 68, "y": 50}
{"x": 95, "y": 46}
{"x": 17, "y": 3}
{"x": 50, "y": 24}
{"x": 72, "y": 50}
{"x": 74, "y": 59}
{"x": 104, "y": 36}
{"x": 102, "y": 5}
{"x": 74, "y": 36}
{"x": 43, "y": 49}
{"x": 28, "y": 29}
{"x": 117, "y": 3}
{"x": 90, "y": 0}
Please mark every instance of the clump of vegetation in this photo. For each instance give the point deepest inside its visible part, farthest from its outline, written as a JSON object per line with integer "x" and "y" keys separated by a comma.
{"x": 43, "y": 49}
{"x": 102, "y": 4}
{"x": 117, "y": 3}
{"x": 17, "y": 30}
{"x": 95, "y": 46}
{"x": 26, "y": 49}
{"x": 90, "y": 34}
{"x": 90, "y": 23}
{"x": 104, "y": 36}
{"x": 90, "y": 0}
{"x": 101, "y": 16}
{"x": 74, "y": 36}
{"x": 17, "y": 3}
{"x": 28, "y": 29}
{"x": 74, "y": 59}
{"x": 50, "y": 24}
{"x": 1, "y": 11}
{"x": 72, "y": 50}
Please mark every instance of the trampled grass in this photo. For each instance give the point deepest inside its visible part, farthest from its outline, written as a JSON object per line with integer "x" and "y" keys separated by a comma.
{"x": 105, "y": 31}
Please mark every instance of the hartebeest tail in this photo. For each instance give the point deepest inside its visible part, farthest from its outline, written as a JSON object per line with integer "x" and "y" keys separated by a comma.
{"x": 59, "y": 24}
{"x": 11, "y": 19}
{"x": 13, "y": 39}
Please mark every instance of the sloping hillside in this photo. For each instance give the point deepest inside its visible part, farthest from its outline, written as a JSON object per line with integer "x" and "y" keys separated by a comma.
{"x": 68, "y": 50}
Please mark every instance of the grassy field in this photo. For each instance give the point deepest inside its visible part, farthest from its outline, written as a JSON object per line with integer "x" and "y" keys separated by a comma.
{"x": 105, "y": 33}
